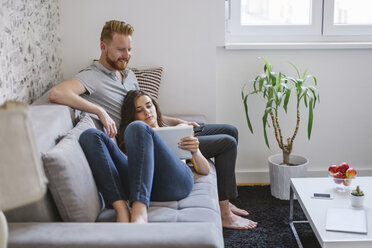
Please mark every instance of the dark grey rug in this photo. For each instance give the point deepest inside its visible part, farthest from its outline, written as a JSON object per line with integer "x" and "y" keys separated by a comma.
{"x": 272, "y": 216}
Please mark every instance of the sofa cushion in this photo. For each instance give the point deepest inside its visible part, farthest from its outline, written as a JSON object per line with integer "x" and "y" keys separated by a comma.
{"x": 201, "y": 205}
{"x": 149, "y": 80}
{"x": 49, "y": 122}
{"x": 84, "y": 122}
{"x": 70, "y": 178}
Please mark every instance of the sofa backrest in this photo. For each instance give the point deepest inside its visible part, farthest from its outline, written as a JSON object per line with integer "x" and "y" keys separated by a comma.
{"x": 50, "y": 122}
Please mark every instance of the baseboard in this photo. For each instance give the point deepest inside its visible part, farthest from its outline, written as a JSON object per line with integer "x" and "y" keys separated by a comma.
{"x": 262, "y": 177}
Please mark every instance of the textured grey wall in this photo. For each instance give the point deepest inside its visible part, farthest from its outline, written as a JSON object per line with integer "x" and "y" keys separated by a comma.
{"x": 29, "y": 48}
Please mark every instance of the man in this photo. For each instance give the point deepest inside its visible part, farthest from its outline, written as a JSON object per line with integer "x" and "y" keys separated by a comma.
{"x": 101, "y": 88}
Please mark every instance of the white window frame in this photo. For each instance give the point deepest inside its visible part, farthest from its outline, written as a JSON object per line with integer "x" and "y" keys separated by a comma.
{"x": 330, "y": 29}
{"x": 322, "y": 33}
{"x": 275, "y": 30}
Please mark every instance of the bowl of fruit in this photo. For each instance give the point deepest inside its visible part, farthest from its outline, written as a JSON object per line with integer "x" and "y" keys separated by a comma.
{"x": 343, "y": 175}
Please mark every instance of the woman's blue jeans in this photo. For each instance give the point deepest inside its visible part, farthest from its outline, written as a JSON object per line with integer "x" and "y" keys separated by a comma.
{"x": 149, "y": 172}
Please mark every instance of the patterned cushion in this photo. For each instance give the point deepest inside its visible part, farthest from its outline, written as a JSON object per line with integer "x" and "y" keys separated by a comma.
{"x": 149, "y": 80}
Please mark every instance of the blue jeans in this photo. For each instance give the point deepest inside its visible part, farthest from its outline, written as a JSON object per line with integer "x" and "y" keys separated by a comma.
{"x": 221, "y": 142}
{"x": 149, "y": 172}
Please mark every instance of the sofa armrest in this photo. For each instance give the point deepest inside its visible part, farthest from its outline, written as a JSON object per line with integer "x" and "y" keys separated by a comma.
{"x": 107, "y": 235}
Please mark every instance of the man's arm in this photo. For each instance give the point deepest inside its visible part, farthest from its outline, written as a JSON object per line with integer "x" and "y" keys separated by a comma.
{"x": 68, "y": 93}
{"x": 171, "y": 121}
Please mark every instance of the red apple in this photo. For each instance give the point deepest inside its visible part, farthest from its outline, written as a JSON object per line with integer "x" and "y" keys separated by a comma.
{"x": 343, "y": 167}
{"x": 338, "y": 176}
{"x": 333, "y": 169}
{"x": 350, "y": 173}
{"x": 347, "y": 182}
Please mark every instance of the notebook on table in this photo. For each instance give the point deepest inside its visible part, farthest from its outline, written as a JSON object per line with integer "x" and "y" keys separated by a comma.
{"x": 173, "y": 135}
{"x": 347, "y": 220}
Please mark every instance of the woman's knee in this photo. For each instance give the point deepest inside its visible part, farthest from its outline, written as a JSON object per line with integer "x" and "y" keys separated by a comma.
{"x": 89, "y": 135}
{"x": 136, "y": 127}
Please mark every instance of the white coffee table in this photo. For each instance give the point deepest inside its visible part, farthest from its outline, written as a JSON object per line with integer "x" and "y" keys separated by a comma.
{"x": 315, "y": 210}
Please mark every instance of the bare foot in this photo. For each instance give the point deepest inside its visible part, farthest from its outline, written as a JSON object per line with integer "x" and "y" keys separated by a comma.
{"x": 139, "y": 213}
{"x": 233, "y": 221}
{"x": 122, "y": 211}
{"x": 237, "y": 211}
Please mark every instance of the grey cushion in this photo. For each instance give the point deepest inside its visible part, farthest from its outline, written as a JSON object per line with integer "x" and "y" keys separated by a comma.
{"x": 70, "y": 178}
{"x": 42, "y": 211}
{"x": 201, "y": 205}
{"x": 84, "y": 122}
{"x": 49, "y": 122}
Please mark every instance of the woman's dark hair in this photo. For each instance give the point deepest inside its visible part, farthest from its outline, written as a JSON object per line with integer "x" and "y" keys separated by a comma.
{"x": 128, "y": 113}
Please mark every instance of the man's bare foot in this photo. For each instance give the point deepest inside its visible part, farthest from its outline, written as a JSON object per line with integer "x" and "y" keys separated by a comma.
{"x": 237, "y": 211}
{"x": 233, "y": 221}
{"x": 122, "y": 211}
{"x": 139, "y": 213}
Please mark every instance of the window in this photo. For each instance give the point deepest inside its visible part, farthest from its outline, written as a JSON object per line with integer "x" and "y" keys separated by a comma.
{"x": 298, "y": 20}
{"x": 351, "y": 17}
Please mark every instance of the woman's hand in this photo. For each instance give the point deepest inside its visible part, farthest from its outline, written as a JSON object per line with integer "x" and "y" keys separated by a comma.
{"x": 189, "y": 144}
{"x": 200, "y": 163}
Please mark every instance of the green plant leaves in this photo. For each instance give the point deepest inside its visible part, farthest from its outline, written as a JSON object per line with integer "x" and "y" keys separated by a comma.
{"x": 298, "y": 73}
{"x": 245, "y": 99}
{"x": 265, "y": 123}
{"x": 277, "y": 89}
{"x": 310, "y": 121}
{"x": 286, "y": 100}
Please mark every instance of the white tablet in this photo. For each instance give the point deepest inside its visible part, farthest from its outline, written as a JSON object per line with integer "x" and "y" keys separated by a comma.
{"x": 173, "y": 135}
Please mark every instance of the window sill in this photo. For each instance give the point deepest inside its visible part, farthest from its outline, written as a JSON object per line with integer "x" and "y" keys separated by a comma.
{"x": 297, "y": 45}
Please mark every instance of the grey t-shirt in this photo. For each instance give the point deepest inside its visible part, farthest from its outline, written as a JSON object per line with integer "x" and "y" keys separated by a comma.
{"x": 105, "y": 88}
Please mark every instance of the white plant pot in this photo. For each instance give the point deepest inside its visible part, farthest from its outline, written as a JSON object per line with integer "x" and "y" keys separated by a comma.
{"x": 356, "y": 201}
{"x": 280, "y": 174}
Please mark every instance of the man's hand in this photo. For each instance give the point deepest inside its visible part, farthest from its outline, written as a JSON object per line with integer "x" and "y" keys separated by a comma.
{"x": 107, "y": 123}
{"x": 68, "y": 93}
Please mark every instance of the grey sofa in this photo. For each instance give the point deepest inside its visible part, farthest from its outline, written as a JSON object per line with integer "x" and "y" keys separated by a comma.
{"x": 72, "y": 214}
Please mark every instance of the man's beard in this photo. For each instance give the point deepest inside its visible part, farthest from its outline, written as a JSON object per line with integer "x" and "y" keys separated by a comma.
{"x": 116, "y": 65}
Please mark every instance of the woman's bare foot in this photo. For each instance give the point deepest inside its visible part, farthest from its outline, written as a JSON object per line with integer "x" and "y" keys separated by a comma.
{"x": 139, "y": 213}
{"x": 233, "y": 221}
{"x": 238, "y": 211}
{"x": 122, "y": 211}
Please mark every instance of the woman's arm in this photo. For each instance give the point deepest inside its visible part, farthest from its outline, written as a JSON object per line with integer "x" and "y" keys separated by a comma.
{"x": 200, "y": 163}
{"x": 172, "y": 121}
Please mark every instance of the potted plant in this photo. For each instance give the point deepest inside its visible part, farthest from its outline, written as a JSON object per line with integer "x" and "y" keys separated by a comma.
{"x": 357, "y": 197}
{"x": 277, "y": 89}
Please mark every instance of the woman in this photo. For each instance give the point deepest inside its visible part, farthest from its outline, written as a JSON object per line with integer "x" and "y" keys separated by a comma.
{"x": 137, "y": 175}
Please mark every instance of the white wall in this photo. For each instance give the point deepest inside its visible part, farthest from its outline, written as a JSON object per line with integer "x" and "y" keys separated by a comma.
{"x": 182, "y": 36}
